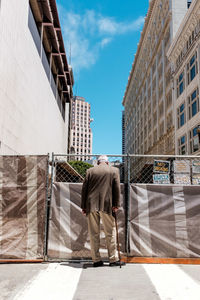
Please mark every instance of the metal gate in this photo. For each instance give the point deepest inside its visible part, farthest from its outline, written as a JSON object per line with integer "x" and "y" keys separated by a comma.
{"x": 155, "y": 193}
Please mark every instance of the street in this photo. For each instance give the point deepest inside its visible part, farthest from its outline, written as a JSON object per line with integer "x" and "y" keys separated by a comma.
{"x": 80, "y": 281}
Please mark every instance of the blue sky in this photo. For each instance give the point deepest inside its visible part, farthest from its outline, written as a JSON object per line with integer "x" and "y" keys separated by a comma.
{"x": 103, "y": 37}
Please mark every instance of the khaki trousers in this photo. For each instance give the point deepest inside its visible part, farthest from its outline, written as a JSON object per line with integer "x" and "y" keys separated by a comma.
{"x": 110, "y": 233}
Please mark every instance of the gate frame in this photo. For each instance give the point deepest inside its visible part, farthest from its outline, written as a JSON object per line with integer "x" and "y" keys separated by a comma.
{"x": 127, "y": 185}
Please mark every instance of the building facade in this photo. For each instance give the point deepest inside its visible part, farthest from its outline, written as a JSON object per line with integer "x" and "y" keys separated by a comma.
{"x": 81, "y": 132}
{"x": 148, "y": 108}
{"x": 123, "y": 133}
{"x": 35, "y": 79}
{"x": 184, "y": 55}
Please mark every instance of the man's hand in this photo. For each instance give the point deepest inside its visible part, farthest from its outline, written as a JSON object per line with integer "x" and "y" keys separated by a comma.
{"x": 115, "y": 209}
{"x": 84, "y": 212}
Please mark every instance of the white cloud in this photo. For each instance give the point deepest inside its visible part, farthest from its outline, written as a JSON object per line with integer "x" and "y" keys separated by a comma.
{"x": 87, "y": 34}
{"x": 105, "y": 41}
{"x": 107, "y": 25}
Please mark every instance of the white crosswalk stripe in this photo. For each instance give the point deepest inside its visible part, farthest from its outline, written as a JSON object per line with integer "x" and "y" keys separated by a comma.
{"x": 56, "y": 282}
{"x": 172, "y": 283}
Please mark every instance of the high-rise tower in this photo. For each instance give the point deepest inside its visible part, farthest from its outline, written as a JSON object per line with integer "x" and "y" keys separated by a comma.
{"x": 81, "y": 133}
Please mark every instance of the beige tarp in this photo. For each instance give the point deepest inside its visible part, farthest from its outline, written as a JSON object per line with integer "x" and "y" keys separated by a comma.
{"x": 165, "y": 221}
{"x": 22, "y": 206}
{"x": 68, "y": 233}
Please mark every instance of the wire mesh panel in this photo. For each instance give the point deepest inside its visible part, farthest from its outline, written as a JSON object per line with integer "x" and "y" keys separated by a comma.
{"x": 68, "y": 232}
{"x": 164, "y": 206}
{"x": 72, "y": 168}
{"x": 165, "y": 169}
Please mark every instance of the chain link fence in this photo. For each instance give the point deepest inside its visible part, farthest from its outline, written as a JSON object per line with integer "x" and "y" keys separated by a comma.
{"x": 163, "y": 169}
{"x": 72, "y": 168}
{"x": 133, "y": 168}
{"x": 68, "y": 228}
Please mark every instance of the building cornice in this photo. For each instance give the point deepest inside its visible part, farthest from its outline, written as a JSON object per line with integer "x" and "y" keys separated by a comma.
{"x": 187, "y": 26}
{"x": 142, "y": 38}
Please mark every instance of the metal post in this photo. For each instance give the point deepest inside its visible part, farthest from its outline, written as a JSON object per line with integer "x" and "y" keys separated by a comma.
{"x": 46, "y": 211}
{"x": 49, "y": 207}
{"x": 127, "y": 207}
{"x": 41, "y": 42}
{"x": 52, "y": 174}
{"x": 50, "y": 73}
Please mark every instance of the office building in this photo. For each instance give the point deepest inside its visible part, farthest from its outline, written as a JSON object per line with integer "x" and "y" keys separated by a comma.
{"x": 81, "y": 132}
{"x": 35, "y": 79}
{"x": 123, "y": 133}
{"x": 184, "y": 55}
{"x": 148, "y": 109}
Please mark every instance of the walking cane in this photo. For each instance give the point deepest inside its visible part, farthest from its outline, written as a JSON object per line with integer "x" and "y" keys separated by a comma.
{"x": 117, "y": 236}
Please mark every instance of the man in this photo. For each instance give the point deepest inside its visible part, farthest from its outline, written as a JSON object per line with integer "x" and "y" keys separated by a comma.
{"x": 100, "y": 198}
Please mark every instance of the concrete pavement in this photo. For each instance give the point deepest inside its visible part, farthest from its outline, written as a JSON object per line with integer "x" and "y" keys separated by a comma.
{"x": 74, "y": 281}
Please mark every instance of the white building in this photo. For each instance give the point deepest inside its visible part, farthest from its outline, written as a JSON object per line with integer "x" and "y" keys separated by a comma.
{"x": 148, "y": 109}
{"x": 81, "y": 133}
{"x": 184, "y": 54}
{"x": 35, "y": 79}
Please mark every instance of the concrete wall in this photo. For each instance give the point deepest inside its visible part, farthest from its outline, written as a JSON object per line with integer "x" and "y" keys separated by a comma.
{"x": 30, "y": 120}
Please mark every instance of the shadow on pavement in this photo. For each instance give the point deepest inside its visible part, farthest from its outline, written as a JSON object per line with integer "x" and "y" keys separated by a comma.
{"x": 82, "y": 265}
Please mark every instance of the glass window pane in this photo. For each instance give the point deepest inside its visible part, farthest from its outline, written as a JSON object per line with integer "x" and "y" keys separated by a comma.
{"x": 182, "y": 107}
{"x": 196, "y": 144}
{"x": 182, "y": 119}
{"x": 192, "y": 73}
{"x": 194, "y": 108}
{"x": 194, "y": 95}
{"x": 194, "y": 131}
{"x": 183, "y": 150}
{"x": 192, "y": 60}
{"x": 183, "y": 140}
{"x": 180, "y": 88}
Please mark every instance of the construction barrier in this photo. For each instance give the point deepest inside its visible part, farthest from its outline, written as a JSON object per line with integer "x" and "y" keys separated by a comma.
{"x": 165, "y": 221}
{"x": 22, "y": 207}
{"x": 68, "y": 232}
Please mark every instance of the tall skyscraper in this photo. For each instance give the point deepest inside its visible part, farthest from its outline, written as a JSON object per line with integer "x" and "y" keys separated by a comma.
{"x": 81, "y": 132}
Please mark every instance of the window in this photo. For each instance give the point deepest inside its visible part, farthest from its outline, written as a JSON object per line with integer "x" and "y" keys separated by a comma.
{"x": 194, "y": 140}
{"x": 193, "y": 104}
{"x": 169, "y": 99}
{"x": 161, "y": 109}
{"x": 160, "y": 91}
{"x": 167, "y": 38}
{"x": 169, "y": 120}
{"x": 161, "y": 128}
{"x": 181, "y": 115}
{"x": 155, "y": 136}
{"x": 180, "y": 84}
{"x": 192, "y": 68}
{"x": 155, "y": 119}
{"x": 182, "y": 145}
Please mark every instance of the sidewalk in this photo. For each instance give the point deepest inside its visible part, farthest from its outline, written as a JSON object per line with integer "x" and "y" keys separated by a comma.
{"x": 63, "y": 281}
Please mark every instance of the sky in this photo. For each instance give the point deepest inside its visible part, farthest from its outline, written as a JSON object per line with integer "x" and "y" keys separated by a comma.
{"x": 101, "y": 38}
